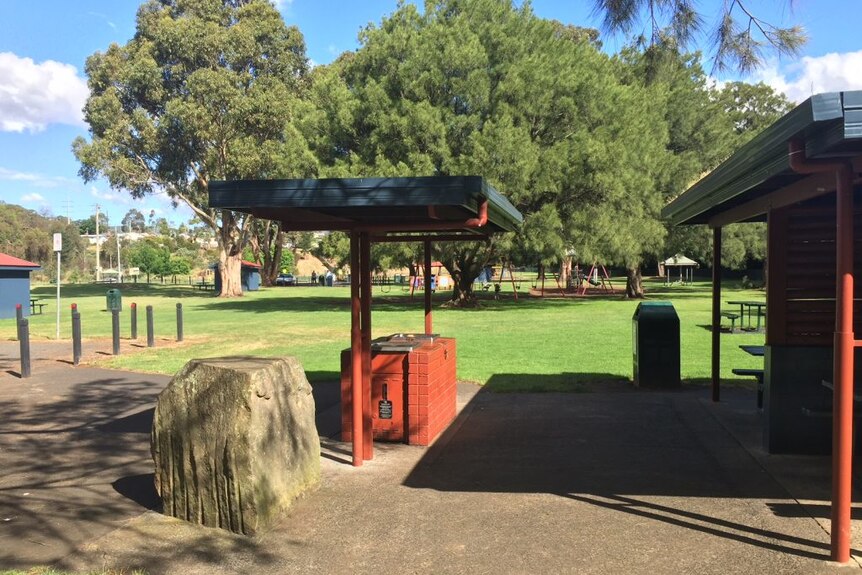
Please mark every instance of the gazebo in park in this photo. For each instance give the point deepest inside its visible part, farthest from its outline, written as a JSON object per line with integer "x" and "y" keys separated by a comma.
{"x": 684, "y": 266}
{"x": 801, "y": 176}
{"x": 421, "y": 209}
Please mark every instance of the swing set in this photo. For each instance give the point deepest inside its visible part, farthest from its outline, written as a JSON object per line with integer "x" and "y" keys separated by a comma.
{"x": 498, "y": 285}
{"x": 595, "y": 282}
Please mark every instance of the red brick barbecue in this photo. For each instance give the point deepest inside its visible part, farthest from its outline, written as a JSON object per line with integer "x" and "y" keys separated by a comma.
{"x": 417, "y": 372}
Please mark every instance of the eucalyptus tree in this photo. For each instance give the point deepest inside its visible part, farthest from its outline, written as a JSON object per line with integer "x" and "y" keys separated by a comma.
{"x": 486, "y": 87}
{"x": 206, "y": 89}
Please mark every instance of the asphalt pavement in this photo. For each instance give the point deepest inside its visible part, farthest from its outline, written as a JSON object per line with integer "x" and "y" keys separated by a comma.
{"x": 614, "y": 480}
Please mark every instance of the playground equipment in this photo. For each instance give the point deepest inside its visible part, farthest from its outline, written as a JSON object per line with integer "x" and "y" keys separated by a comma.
{"x": 596, "y": 282}
{"x": 516, "y": 285}
{"x": 418, "y": 279}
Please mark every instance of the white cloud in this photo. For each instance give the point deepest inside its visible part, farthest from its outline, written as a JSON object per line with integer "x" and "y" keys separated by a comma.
{"x": 282, "y": 4}
{"x": 111, "y": 196}
{"x": 34, "y": 95}
{"x": 815, "y": 74}
{"x": 33, "y": 198}
{"x": 37, "y": 180}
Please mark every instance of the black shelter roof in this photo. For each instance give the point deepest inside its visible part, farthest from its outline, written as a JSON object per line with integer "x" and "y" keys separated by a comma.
{"x": 829, "y": 125}
{"x": 465, "y": 205}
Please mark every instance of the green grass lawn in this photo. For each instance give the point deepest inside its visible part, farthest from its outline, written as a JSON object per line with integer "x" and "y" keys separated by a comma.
{"x": 532, "y": 344}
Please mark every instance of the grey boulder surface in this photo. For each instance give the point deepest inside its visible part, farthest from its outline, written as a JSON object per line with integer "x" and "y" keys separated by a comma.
{"x": 234, "y": 441}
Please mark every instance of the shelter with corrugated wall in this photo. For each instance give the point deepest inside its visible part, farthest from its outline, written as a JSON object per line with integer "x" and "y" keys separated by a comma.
{"x": 14, "y": 285}
{"x": 249, "y": 276}
{"x": 803, "y": 177}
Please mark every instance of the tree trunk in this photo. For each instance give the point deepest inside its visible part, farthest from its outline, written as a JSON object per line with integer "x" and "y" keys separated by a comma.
{"x": 634, "y": 283}
{"x": 566, "y": 272}
{"x": 462, "y": 293}
{"x": 272, "y": 248}
{"x": 464, "y": 266}
{"x": 229, "y": 267}
{"x": 230, "y": 242}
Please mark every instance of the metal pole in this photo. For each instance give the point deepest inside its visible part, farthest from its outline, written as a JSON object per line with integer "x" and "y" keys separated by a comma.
{"x": 115, "y": 330}
{"x": 24, "y": 331}
{"x": 842, "y": 407}
{"x": 134, "y": 313}
{"x": 76, "y": 335}
{"x": 428, "y": 321}
{"x": 151, "y": 340}
{"x": 58, "y": 295}
{"x": 179, "y": 322}
{"x": 98, "y": 248}
{"x": 365, "y": 326}
{"x": 355, "y": 351}
{"x": 716, "y": 314}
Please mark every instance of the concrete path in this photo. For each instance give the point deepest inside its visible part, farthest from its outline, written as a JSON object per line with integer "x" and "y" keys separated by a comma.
{"x": 617, "y": 480}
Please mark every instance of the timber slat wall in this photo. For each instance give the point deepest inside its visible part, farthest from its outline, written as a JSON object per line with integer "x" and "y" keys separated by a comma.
{"x": 801, "y": 267}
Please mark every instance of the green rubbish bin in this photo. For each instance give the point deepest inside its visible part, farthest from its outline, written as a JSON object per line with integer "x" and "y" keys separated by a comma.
{"x": 655, "y": 345}
{"x": 115, "y": 300}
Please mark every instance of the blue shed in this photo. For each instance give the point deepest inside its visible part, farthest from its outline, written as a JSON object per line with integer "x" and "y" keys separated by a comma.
{"x": 14, "y": 285}
{"x": 249, "y": 276}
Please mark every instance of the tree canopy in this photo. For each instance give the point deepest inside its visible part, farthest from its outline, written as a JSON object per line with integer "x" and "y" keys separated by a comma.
{"x": 486, "y": 87}
{"x": 206, "y": 89}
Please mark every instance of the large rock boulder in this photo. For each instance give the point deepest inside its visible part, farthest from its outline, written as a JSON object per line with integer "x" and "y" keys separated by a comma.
{"x": 234, "y": 441}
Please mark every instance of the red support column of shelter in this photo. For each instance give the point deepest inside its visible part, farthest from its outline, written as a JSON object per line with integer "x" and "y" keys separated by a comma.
{"x": 428, "y": 323}
{"x": 716, "y": 314}
{"x": 842, "y": 406}
{"x": 843, "y": 344}
{"x": 355, "y": 350}
{"x": 365, "y": 322}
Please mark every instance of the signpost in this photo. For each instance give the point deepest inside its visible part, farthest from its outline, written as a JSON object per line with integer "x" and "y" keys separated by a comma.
{"x": 58, "y": 247}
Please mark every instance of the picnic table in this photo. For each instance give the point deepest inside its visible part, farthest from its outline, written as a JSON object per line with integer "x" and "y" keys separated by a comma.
{"x": 34, "y": 305}
{"x": 757, "y": 351}
{"x": 749, "y": 305}
{"x": 204, "y": 285}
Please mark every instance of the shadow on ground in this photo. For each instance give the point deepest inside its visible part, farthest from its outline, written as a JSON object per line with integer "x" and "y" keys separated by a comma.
{"x": 621, "y": 451}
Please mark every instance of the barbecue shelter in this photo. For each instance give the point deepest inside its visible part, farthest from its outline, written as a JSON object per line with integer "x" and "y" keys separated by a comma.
{"x": 802, "y": 177}
{"x": 419, "y": 209}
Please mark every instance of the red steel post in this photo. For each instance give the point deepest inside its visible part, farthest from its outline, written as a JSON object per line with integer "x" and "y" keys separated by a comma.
{"x": 842, "y": 406}
{"x": 429, "y": 329}
{"x": 365, "y": 322}
{"x": 716, "y": 314}
{"x": 843, "y": 342}
{"x": 355, "y": 350}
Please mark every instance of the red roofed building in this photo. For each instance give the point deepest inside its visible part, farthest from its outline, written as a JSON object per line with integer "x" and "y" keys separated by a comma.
{"x": 14, "y": 285}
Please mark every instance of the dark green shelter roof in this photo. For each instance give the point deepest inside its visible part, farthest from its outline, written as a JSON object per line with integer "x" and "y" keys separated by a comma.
{"x": 384, "y": 205}
{"x": 829, "y": 124}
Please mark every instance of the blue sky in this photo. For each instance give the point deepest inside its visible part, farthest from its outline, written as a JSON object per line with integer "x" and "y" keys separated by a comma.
{"x": 44, "y": 44}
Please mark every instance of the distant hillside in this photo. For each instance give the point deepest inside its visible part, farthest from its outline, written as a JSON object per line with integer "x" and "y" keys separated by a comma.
{"x": 29, "y": 235}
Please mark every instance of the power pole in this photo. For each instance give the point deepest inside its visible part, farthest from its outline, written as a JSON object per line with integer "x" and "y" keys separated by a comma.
{"x": 98, "y": 247}
{"x": 68, "y": 205}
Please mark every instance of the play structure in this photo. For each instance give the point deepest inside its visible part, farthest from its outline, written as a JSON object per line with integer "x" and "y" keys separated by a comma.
{"x": 438, "y": 280}
{"x": 594, "y": 282}
{"x": 497, "y": 276}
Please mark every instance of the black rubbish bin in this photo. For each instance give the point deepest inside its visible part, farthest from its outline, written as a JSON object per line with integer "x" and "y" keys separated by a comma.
{"x": 655, "y": 345}
{"x": 114, "y": 300}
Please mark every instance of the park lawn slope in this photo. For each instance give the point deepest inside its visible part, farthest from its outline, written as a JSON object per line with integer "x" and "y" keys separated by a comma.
{"x": 532, "y": 344}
